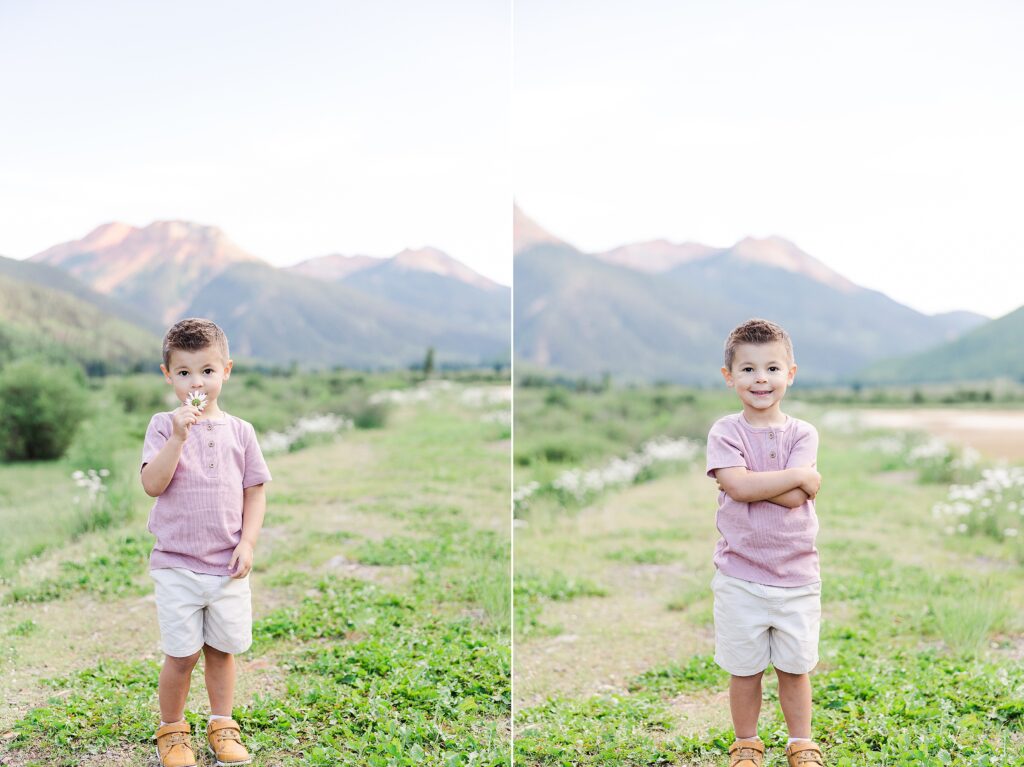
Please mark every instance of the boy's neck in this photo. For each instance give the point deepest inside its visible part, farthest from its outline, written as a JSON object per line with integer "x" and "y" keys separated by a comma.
{"x": 773, "y": 416}
{"x": 211, "y": 411}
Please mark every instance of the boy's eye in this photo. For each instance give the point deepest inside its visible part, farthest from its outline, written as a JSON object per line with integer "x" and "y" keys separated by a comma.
{"x": 208, "y": 371}
{"x": 773, "y": 369}
{"x": 183, "y": 372}
{"x": 747, "y": 369}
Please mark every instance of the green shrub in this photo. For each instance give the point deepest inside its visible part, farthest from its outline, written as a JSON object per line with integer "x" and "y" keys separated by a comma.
{"x": 371, "y": 415}
{"x": 41, "y": 407}
{"x": 141, "y": 394}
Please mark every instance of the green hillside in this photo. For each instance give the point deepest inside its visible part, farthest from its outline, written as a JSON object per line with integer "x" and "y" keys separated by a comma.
{"x": 990, "y": 351}
{"x": 48, "y": 323}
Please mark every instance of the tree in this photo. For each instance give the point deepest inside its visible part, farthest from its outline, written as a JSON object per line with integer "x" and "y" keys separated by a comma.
{"x": 428, "y": 363}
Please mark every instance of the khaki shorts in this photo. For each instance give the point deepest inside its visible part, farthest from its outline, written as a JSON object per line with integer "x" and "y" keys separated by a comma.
{"x": 196, "y": 609}
{"x": 758, "y": 625}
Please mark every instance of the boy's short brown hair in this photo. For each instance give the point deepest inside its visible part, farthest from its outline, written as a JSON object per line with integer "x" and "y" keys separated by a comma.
{"x": 756, "y": 331}
{"x": 193, "y": 334}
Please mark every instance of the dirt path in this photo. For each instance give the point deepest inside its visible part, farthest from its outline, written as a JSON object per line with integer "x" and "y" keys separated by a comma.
{"x": 996, "y": 434}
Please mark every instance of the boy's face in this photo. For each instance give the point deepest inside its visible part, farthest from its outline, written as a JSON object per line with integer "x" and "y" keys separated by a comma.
{"x": 760, "y": 374}
{"x": 203, "y": 369}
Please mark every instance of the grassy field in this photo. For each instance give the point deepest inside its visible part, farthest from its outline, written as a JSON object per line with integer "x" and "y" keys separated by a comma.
{"x": 922, "y": 640}
{"x": 381, "y": 584}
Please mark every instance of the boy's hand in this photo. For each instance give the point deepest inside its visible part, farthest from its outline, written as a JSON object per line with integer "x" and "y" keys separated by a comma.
{"x": 242, "y": 557}
{"x": 183, "y": 419}
{"x": 811, "y": 483}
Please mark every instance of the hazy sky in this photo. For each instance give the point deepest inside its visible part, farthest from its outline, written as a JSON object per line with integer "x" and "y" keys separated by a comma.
{"x": 300, "y": 129}
{"x": 883, "y": 138}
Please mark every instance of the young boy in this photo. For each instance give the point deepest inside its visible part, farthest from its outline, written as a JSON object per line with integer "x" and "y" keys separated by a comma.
{"x": 767, "y": 585}
{"x": 206, "y": 471}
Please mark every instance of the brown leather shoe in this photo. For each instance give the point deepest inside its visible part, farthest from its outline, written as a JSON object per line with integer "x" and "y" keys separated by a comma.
{"x": 746, "y": 753}
{"x": 804, "y": 753}
{"x": 173, "y": 746}
{"x": 225, "y": 738}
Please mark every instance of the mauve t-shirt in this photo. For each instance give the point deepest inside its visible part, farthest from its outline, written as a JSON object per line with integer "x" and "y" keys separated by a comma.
{"x": 761, "y": 541}
{"x": 197, "y": 520}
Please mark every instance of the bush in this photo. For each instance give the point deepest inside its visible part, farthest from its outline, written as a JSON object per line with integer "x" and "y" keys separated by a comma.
{"x": 140, "y": 394}
{"x": 41, "y": 407}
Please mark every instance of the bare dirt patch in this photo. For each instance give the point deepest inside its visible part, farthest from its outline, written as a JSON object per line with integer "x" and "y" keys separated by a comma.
{"x": 993, "y": 433}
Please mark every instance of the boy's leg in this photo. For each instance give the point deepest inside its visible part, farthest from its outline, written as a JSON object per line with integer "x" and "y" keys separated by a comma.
{"x": 795, "y": 698}
{"x": 175, "y": 679}
{"x": 220, "y": 680}
{"x": 745, "y": 704}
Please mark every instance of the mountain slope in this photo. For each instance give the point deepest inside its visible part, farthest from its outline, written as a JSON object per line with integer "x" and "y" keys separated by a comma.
{"x": 987, "y": 352}
{"x": 57, "y": 279}
{"x": 282, "y": 317}
{"x": 40, "y": 321}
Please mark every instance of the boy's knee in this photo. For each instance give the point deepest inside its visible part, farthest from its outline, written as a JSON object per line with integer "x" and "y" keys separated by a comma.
{"x": 210, "y": 651}
{"x": 785, "y": 676}
{"x": 185, "y": 663}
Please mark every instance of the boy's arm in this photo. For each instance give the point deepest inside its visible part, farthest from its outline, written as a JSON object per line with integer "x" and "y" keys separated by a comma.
{"x": 749, "y": 486}
{"x": 157, "y": 474}
{"x": 158, "y": 471}
{"x": 254, "y": 507}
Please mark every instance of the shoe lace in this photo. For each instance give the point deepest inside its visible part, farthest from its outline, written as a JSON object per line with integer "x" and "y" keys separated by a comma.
{"x": 175, "y": 739}
{"x": 749, "y": 754}
{"x": 809, "y": 756}
{"x": 228, "y": 734}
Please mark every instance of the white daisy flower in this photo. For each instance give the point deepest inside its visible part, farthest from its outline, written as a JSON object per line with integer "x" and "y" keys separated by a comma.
{"x": 197, "y": 399}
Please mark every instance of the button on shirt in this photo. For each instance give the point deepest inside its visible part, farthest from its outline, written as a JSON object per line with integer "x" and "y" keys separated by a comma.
{"x": 197, "y": 520}
{"x": 761, "y": 541}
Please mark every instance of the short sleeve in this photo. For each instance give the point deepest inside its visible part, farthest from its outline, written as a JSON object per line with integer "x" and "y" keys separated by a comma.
{"x": 157, "y": 434}
{"x": 725, "y": 449}
{"x": 256, "y": 470}
{"x": 804, "y": 451}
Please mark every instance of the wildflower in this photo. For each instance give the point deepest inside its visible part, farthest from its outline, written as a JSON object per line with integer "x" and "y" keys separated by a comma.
{"x": 196, "y": 399}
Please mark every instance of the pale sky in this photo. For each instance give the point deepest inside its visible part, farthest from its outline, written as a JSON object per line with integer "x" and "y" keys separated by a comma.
{"x": 883, "y": 138}
{"x": 300, "y": 129}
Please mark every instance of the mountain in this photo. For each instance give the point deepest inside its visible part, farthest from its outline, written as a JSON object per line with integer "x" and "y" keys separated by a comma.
{"x": 526, "y": 232}
{"x": 663, "y": 311}
{"x": 45, "y": 322}
{"x": 425, "y": 280}
{"x": 984, "y": 353}
{"x": 332, "y": 267}
{"x": 158, "y": 269}
{"x": 283, "y": 317}
{"x": 335, "y": 310}
{"x": 655, "y": 256}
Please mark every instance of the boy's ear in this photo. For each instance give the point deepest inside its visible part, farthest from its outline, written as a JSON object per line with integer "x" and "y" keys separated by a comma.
{"x": 227, "y": 369}
{"x": 166, "y": 373}
{"x": 792, "y": 373}
{"x": 727, "y": 375}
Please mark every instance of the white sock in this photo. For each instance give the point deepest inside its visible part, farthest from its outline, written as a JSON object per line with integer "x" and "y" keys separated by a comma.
{"x": 217, "y": 716}
{"x": 752, "y": 737}
{"x": 791, "y": 741}
{"x": 164, "y": 724}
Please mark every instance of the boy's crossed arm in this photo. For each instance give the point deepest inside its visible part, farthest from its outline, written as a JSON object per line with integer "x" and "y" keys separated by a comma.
{"x": 789, "y": 487}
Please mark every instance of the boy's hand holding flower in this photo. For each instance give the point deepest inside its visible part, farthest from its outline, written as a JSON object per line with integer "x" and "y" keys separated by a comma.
{"x": 242, "y": 557}
{"x": 183, "y": 419}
